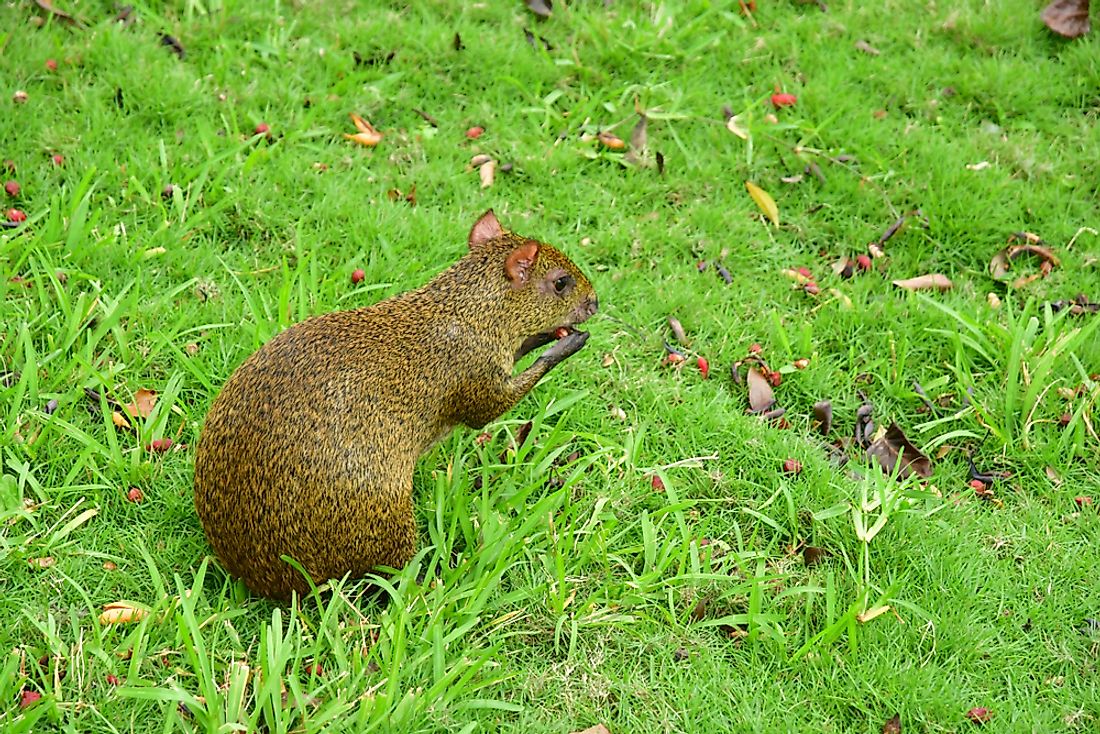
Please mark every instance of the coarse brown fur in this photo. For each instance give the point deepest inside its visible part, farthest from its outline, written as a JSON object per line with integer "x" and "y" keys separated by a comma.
{"x": 309, "y": 449}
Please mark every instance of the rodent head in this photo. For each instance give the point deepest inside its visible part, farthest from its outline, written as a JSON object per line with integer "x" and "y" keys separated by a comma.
{"x": 546, "y": 293}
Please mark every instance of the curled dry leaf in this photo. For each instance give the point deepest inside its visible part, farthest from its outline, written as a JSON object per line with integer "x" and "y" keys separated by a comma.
{"x": 761, "y": 396}
{"x": 932, "y": 281}
{"x": 487, "y": 172}
{"x": 1001, "y": 263}
{"x": 367, "y": 135}
{"x": 887, "y": 449}
{"x": 121, "y": 612}
{"x": 1068, "y": 18}
{"x": 892, "y": 726}
{"x": 764, "y": 201}
{"x": 823, "y": 416}
{"x": 610, "y": 141}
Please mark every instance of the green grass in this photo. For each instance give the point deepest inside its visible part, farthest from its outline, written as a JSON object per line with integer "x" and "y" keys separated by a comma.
{"x": 556, "y": 592}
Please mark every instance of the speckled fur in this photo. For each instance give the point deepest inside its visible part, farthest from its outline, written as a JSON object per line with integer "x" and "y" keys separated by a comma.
{"x": 309, "y": 449}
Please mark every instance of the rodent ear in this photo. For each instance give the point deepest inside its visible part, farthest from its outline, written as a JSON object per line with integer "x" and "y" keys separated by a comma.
{"x": 520, "y": 261}
{"x": 486, "y": 228}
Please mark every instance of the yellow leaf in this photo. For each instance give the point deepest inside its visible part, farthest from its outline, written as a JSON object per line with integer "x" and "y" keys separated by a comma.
{"x": 932, "y": 281}
{"x": 871, "y": 613}
{"x": 764, "y": 200}
{"x": 487, "y": 172}
{"x": 367, "y": 135}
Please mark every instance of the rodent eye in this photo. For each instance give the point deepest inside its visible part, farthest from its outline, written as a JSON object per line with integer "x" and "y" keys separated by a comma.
{"x": 562, "y": 283}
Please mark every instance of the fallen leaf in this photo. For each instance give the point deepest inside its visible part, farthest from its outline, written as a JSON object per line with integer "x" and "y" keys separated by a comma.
{"x": 894, "y": 443}
{"x": 734, "y": 125}
{"x": 610, "y": 141}
{"x": 979, "y": 715}
{"x": 932, "y": 281}
{"x": 597, "y": 729}
{"x": 892, "y": 726}
{"x": 761, "y": 396}
{"x": 813, "y": 555}
{"x": 487, "y": 172}
{"x": 764, "y": 201}
{"x": 1052, "y": 475}
{"x": 144, "y": 402}
{"x": 121, "y": 612}
{"x": 869, "y": 614}
{"x": 1001, "y": 263}
{"x": 367, "y": 135}
{"x": 823, "y": 416}
{"x": 120, "y": 420}
{"x": 541, "y": 8}
{"x": 1068, "y": 18}
{"x": 867, "y": 48}
{"x": 638, "y": 142}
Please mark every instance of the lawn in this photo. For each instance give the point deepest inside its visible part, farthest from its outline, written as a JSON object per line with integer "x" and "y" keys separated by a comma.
{"x": 648, "y": 557}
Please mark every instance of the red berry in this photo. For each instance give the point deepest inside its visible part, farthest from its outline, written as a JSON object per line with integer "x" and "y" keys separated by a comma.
{"x": 775, "y": 378}
{"x": 135, "y": 495}
{"x": 561, "y": 332}
{"x": 792, "y": 466}
{"x": 475, "y": 132}
{"x": 358, "y": 275}
{"x": 1064, "y": 419}
{"x": 112, "y": 679}
{"x": 977, "y": 485}
{"x": 863, "y": 261}
{"x": 755, "y": 348}
{"x": 804, "y": 272}
{"x": 811, "y": 288}
{"x": 658, "y": 483}
{"x": 29, "y": 698}
{"x": 704, "y": 367}
{"x": 674, "y": 358}
{"x": 782, "y": 99}
{"x": 57, "y": 159}
{"x": 315, "y": 669}
{"x": 262, "y": 128}
{"x": 16, "y": 215}
{"x": 1083, "y": 501}
{"x": 51, "y": 64}
{"x": 160, "y": 445}
{"x": 12, "y": 188}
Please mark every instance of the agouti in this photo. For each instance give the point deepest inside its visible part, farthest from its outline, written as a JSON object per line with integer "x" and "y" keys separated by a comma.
{"x": 309, "y": 450}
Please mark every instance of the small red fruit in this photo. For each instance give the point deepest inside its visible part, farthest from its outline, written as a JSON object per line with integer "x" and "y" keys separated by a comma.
{"x": 358, "y": 275}
{"x": 57, "y": 159}
{"x": 16, "y": 215}
{"x": 475, "y": 132}
{"x": 674, "y": 359}
{"x": 561, "y": 332}
{"x": 657, "y": 483}
{"x": 792, "y": 466}
{"x": 51, "y": 64}
{"x": 782, "y": 99}
{"x": 811, "y": 288}
{"x": 112, "y": 679}
{"x": 160, "y": 445}
{"x": 262, "y": 128}
{"x": 805, "y": 273}
{"x": 755, "y": 348}
{"x": 29, "y": 698}
{"x": 12, "y": 188}
{"x": 863, "y": 261}
{"x": 775, "y": 378}
{"x": 315, "y": 669}
{"x": 135, "y": 495}
{"x": 704, "y": 367}
{"x": 1083, "y": 501}
{"x": 1064, "y": 419}
{"x": 977, "y": 485}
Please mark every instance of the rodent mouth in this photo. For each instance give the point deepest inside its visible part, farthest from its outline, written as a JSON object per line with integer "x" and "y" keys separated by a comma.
{"x": 543, "y": 337}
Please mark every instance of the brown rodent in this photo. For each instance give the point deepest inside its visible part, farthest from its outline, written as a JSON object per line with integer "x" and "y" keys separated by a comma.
{"x": 309, "y": 449}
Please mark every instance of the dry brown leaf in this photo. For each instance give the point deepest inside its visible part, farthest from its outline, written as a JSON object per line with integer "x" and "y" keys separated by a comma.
{"x": 367, "y": 135}
{"x": 892, "y": 726}
{"x": 121, "y": 612}
{"x": 761, "y": 396}
{"x": 887, "y": 449}
{"x": 1001, "y": 263}
{"x": 487, "y": 171}
{"x": 932, "y": 281}
{"x": 1069, "y": 18}
{"x": 144, "y": 402}
{"x": 610, "y": 141}
{"x": 823, "y": 416}
{"x": 597, "y": 729}
{"x": 813, "y": 555}
{"x": 764, "y": 201}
